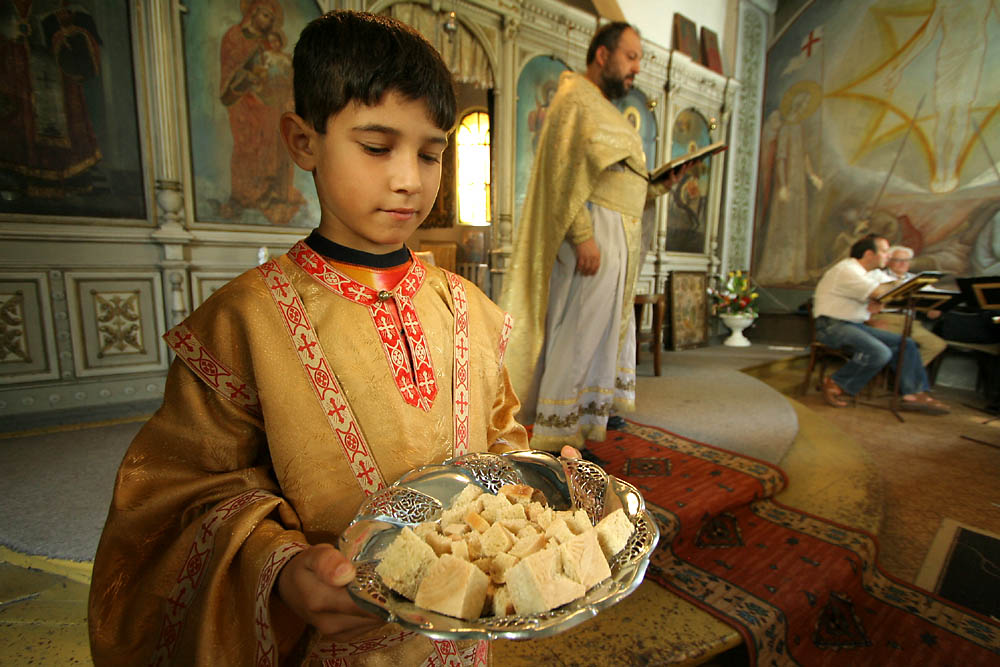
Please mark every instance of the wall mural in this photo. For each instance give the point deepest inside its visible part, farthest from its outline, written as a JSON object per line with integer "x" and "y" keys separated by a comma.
{"x": 239, "y": 82}
{"x": 881, "y": 116}
{"x": 66, "y": 148}
{"x": 535, "y": 88}
{"x": 687, "y": 223}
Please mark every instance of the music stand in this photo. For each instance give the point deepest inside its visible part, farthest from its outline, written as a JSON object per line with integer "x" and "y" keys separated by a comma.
{"x": 982, "y": 294}
{"x": 905, "y": 293}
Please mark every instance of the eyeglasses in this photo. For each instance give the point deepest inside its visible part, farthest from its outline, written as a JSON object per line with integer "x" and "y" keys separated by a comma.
{"x": 899, "y": 259}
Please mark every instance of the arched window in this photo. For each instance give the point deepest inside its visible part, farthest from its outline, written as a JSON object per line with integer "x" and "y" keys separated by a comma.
{"x": 473, "y": 144}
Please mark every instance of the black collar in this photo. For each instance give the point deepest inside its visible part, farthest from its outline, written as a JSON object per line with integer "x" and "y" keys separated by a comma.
{"x": 341, "y": 253}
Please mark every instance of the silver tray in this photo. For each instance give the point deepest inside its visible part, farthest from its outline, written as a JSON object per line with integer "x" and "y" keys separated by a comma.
{"x": 421, "y": 494}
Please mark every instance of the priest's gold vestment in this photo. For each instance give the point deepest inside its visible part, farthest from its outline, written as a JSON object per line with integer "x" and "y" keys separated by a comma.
{"x": 241, "y": 468}
{"x": 587, "y": 152}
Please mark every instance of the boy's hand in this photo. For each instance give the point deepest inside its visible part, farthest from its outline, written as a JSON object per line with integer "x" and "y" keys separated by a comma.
{"x": 570, "y": 453}
{"x": 313, "y": 585}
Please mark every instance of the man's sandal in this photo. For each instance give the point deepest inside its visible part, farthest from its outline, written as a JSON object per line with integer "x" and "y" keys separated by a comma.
{"x": 832, "y": 393}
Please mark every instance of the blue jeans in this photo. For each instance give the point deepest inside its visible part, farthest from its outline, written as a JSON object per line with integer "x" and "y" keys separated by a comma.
{"x": 871, "y": 350}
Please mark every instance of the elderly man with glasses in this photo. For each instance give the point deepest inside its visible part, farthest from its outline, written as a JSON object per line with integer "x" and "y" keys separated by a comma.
{"x": 898, "y": 268}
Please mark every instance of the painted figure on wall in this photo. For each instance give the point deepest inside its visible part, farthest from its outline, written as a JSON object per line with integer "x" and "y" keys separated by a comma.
{"x": 256, "y": 88}
{"x": 901, "y": 86}
{"x": 53, "y": 84}
{"x": 785, "y": 170}
{"x": 686, "y": 213}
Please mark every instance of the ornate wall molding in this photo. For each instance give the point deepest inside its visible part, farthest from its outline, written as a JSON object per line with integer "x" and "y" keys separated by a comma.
{"x": 741, "y": 188}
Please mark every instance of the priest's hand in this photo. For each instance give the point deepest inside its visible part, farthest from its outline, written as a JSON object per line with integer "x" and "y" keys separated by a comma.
{"x": 313, "y": 585}
{"x": 588, "y": 257}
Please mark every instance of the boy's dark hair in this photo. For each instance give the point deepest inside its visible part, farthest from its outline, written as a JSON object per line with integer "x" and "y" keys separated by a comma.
{"x": 607, "y": 36}
{"x": 863, "y": 245}
{"x": 346, "y": 56}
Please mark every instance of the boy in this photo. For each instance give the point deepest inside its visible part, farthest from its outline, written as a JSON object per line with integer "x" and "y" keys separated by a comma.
{"x": 305, "y": 385}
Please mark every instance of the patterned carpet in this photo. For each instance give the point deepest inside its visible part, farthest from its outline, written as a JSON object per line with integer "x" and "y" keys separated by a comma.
{"x": 799, "y": 588}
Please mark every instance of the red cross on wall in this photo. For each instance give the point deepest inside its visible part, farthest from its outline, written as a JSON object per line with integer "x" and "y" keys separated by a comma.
{"x": 807, "y": 45}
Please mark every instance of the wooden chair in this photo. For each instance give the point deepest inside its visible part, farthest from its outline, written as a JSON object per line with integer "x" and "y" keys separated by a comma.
{"x": 822, "y": 355}
{"x": 659, "y": 303}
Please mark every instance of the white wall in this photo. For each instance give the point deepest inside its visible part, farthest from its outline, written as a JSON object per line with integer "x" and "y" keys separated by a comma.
{"x": 655, "y": 18}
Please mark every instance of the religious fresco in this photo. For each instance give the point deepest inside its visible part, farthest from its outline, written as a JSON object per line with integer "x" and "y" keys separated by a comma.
{"x": 238, "y": 57}
{"x": 635, "y": 106}
{"x": 67, "y": 148}
{"x": 687, "y": 212}
{"x": 881, "y": 116}
{"x": 535, "y": 89}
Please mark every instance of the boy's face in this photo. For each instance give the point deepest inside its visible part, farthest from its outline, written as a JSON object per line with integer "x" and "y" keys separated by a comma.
{"x": 377, "y": 171}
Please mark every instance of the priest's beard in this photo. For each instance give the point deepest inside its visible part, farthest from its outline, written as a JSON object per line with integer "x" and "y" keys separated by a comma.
{"x": 612, "y": 86}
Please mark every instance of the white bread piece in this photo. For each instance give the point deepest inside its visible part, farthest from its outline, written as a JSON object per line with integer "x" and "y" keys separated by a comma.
{"x": 613, "y": 532}
{"x": 515, "y": 526}
{"x": 475, "y": 520}
{"x": 502, "y": 563}
{"x": 559, "y": 530}
{"x": 545, "y": 517}
{"x": 404, "y": 562}
{"x": 517, "y": 493}
{"x": 531, "y": 542}
{"x": 466, "y": 496}
{"x": 455, "y": 529}
{"x": 460, "y": 549}
{"x": 426, "y": 528}
{"x": 475, "y": 545}
{"x": 502, "y": 604}
{"x": 453, "y": 515}
{"x": 493, "y": 506}
{"x": 582, "y": 559}
{"x": 579, "y": 522}
{"x": 484, "y": 564}
{"x": 440, "y": 543}
{"x": 535, "y": 510}
{"x": 513, "y": 512}
{"x": 536, "y": 584}
{"x": 454, "y": 587}
{"x": 530, "y": 529}
{"x": 496, "y": 540}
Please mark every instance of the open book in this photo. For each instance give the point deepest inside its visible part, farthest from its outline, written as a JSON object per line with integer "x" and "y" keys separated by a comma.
{"x": 678, "y": 162}
{"x": 902, "y": 289}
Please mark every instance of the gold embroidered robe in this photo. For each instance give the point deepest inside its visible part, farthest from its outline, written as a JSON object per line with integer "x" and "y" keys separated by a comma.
{"x": 240, "y": 466}
{"x": 584, "y": 135}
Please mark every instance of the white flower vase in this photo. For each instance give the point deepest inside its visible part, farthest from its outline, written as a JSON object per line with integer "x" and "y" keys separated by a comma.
{"x": 736, "y": 324}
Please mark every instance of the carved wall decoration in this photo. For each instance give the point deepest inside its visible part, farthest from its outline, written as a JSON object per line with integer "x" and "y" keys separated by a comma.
{"x": 116, "y": 321}
{"x": 27, "y": 344}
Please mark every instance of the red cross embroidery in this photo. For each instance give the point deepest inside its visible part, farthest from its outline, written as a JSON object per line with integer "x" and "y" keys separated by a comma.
{"x": 177, "y": 605}
{"x": 462, "y": 348}
{"x": 206, "y": 529}
{"x": 336, "y": 410}
{"x": 182, "y": 339}
{"x": 237, "y": 392}
{"x": 307, "y": 346}
{"x": 261, "y": 622}
{"x": 365, "y": 472}
{"x": 461, "y": 401}
{"x": 426, "y": 381}
{"x": 385, "y": 327}
{"x": 280, "y": 286}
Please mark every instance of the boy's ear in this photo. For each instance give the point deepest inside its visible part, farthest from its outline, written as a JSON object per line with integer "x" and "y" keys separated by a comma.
{"x": 300, "y": 139}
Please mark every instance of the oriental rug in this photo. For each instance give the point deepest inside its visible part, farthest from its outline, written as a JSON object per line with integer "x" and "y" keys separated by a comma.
{"x": 800, "y": 589}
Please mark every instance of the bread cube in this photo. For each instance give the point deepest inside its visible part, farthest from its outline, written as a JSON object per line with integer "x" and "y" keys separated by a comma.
{"x": 460, "y": 549}
{"x": 579, "y": 522}
{"x": 440, "y": 543}
{"x": 476, "y": 521}
{"x": 454, "y": 587}
{"x": 536, "y": 584}
{"x": 404, "y": 562}
{"x": 583, "y": 560}
{"x": 559, "y": 530}
{"x": 529, "y": 544}
{"x": 501, "y": 563}
{"x": 466, "y": 495}
{"x": 613, "y": 532}
{"x": 426, "y": 528}
{"x": 502, "y": 604}
{"x": 496, "y": 540}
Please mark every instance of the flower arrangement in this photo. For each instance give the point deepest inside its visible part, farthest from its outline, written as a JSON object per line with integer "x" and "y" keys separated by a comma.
{"x": 734, "y": 296}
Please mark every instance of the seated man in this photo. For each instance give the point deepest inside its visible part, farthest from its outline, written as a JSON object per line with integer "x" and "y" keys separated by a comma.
{"x": 898, "y": 268}
{"x": 844, "y": 300}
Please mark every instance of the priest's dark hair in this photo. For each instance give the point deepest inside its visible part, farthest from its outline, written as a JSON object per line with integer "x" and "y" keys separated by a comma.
{"x": 607, "y": 36}
{"x": 346, "y": 56}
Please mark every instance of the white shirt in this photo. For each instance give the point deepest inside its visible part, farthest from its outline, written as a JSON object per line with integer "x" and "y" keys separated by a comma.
{"x": 842, "y": 293}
